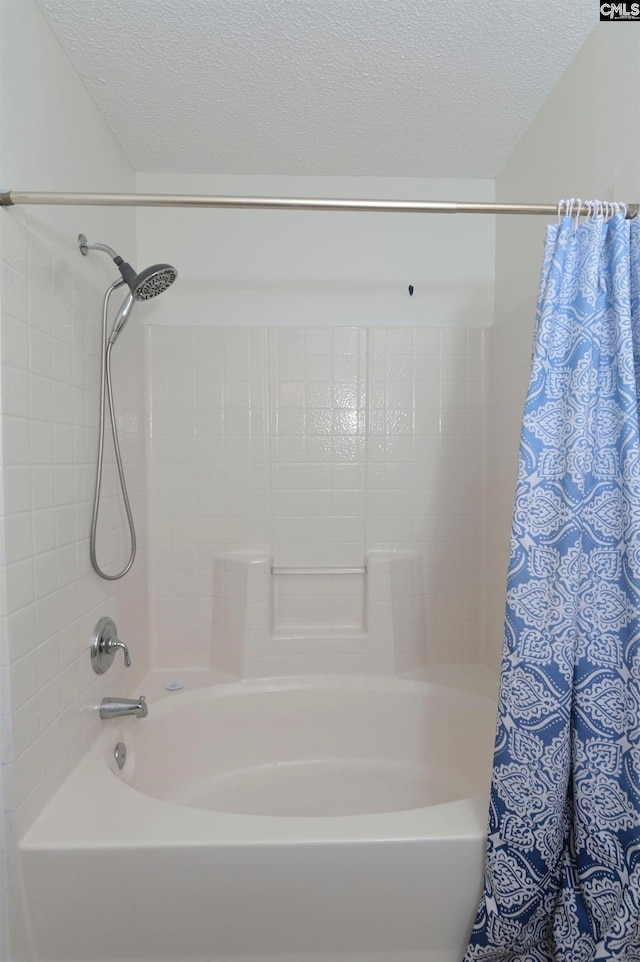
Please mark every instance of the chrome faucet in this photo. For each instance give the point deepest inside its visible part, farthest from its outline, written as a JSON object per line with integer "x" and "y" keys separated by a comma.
{"x": 115, "y": 707}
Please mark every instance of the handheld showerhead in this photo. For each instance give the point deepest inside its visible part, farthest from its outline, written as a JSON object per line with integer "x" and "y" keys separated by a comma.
{"x": 148, "y": 283}
{"x": 142, "y": 287}
{"x": 153, "y": 281}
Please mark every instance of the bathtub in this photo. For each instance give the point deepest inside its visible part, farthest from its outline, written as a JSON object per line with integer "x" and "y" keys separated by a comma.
{"x": 325, "y": 818}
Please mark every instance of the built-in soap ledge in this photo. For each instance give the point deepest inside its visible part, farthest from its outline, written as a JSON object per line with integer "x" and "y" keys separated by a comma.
{"x": 288, "y": 619}
{"x": 275, "y": 570}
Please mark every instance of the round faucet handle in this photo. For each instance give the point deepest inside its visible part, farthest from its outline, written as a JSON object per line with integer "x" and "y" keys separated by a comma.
{"x": 104, "y": 645}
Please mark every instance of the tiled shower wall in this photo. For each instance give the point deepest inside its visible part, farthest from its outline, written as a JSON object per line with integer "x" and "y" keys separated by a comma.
{"x": 315, "y": 445}
{"x": 50, "y": 323}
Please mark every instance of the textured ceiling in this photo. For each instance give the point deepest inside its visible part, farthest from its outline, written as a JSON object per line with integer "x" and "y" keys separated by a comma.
{"x": 397, "y": 88}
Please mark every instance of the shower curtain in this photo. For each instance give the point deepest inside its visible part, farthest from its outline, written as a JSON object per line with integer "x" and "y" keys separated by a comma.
{"x": 562, "y": 874}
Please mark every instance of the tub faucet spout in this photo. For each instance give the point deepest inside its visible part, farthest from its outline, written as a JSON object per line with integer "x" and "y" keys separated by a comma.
{"x": 115, "y": 707}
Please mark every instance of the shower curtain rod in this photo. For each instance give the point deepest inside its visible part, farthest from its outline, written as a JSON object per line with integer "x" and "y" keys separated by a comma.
{"x": 15, "y": 198}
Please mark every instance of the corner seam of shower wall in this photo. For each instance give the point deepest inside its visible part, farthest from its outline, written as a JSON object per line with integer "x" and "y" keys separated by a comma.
{"x": 7, "y": 808}
{"x": 151, "y": 558}
{"x": 484, "y": 510}
{"x": 7, "y": 823}
{"x": 367, "y": 378}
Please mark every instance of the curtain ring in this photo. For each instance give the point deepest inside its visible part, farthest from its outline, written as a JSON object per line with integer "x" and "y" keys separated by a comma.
{"x": 561, "y": 204}
{"x": 576, "y": 222}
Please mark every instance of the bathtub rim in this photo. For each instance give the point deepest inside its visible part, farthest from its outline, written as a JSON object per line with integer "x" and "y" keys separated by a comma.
{"x": 175, "y": 700}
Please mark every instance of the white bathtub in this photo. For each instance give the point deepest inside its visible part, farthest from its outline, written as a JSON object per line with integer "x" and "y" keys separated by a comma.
{"x": 336, "y": 818}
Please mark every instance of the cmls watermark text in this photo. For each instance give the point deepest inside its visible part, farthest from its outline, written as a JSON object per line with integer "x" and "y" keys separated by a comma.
{"x": 620, "y": 11}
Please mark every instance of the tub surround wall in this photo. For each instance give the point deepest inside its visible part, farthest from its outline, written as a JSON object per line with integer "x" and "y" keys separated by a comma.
{"x": 241, "y": 609}
{"x": 317, "y": 393}
{"x": 51, "y": 321}
{"x": 319, "y": 620}
{"x": 563, "y": 154}
{"x": 315, "y": 446}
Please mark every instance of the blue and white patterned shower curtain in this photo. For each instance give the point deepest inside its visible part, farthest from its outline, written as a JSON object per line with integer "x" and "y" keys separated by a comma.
{"x": 562, "y": 876}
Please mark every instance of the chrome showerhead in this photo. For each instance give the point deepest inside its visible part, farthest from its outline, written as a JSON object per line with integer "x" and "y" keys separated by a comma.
{"x": 153, "y": 281}
{"x": 148, "y": 283}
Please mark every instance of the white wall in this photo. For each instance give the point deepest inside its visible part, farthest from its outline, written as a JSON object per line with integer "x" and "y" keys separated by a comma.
{"x": 52, "y": 137}
{"x": 585, "y": 142}
{"x": 329, "y": 268}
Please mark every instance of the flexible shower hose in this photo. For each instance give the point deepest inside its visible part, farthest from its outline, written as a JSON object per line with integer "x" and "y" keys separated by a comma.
{"x": 106, "y": 395}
